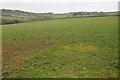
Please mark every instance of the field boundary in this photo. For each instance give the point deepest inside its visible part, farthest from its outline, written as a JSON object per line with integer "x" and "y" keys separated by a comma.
{"x": 62, "y": 18}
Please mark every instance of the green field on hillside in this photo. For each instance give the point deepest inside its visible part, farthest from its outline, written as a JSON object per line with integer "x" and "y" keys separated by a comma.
{"x": 63, "y": 48}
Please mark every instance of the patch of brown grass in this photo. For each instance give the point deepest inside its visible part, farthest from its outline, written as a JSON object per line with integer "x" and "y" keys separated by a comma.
{"x": 81, "y": 48}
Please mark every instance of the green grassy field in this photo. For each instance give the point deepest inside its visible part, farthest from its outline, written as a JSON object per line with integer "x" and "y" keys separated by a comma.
{"x": 67, "y": 48}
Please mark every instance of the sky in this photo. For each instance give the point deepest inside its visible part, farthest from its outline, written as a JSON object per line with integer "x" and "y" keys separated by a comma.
{"x": 60, "y": 6}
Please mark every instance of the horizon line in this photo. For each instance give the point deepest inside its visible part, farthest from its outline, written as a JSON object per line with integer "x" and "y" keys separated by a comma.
{"x": 56, "y": 12}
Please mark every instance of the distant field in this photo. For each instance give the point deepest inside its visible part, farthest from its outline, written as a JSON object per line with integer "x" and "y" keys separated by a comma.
{"x": 67, "y": 48}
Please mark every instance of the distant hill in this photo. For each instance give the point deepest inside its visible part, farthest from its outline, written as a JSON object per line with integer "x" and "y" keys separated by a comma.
{"x": 19, "y": 13}
{"x": 18, "y": 16}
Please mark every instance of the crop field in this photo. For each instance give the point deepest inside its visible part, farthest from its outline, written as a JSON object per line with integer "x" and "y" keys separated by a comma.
{"x": 62, "y": 48}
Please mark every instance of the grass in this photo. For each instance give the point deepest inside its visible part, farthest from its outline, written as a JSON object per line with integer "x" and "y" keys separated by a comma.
{"x": 67, "y": 48}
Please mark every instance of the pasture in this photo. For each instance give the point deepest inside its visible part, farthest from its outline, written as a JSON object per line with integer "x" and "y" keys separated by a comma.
{"x": 62, "y": 48}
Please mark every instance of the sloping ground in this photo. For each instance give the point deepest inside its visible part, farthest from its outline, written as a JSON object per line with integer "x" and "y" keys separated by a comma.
{"x": 67, "y": 48}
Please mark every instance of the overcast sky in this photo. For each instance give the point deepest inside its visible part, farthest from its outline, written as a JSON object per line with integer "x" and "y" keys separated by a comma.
{"x": 60, "y": 6}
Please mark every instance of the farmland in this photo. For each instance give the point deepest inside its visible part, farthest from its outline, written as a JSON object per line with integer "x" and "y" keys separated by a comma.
{"x": 17, "y": 16}
{"x": 67, "y": 48}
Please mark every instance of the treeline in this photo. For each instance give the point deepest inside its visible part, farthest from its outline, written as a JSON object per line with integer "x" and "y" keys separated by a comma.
{"x": 93, "y": 13}
{"x": 11, "y": 20}
{"x": 17, "y": 16}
